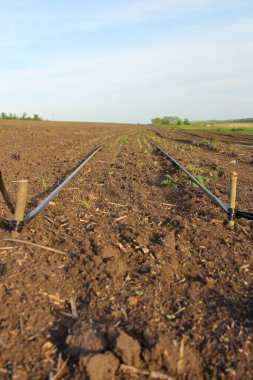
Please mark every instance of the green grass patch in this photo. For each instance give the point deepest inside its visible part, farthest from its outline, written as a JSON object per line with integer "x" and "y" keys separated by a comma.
{"x": 241, "y": 130}
{"x": 203, "y": 127}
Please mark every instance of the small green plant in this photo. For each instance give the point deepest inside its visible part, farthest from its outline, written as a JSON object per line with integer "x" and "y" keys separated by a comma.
{"x": 212, "y": 144}
{"x": 171, "y": 317}
{"x": 139, "y": 293}
{"x": 169, "y": 181}
{"x": 88, "y": 202}
{"x": 43, "y": 182}
{"x": 195, "y": 168}
{"x": 123, "y": 139}
{"x": 198, "y": 172}
{"x": 203, "y": 180}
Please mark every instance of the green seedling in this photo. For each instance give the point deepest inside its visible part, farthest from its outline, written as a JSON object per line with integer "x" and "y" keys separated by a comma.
{"x": 139, "y": 293}
{"x": 203, "y": 180}
{"x": 123, "y": 139}
{"x": 171, "y": 317}
{"x": 198, "y": 173}
{"x": 169, "y": 181}
{"x": 88, "y": 202}
{"x": 43, "y": 182}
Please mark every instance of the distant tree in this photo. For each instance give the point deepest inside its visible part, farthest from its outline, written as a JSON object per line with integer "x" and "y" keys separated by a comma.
{"x": 167, "y": 120}
{"x": 170, "y": 119}
{"x": 13, "y": 116}
{"x": 156, "y": 121}
{"x": 186, "y": 122}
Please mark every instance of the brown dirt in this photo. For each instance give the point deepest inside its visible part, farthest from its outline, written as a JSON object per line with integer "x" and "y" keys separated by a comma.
{"x": 163, "y": 289}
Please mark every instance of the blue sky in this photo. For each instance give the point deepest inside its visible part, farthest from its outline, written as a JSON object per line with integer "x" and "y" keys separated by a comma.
{"x": 127, "y": 61}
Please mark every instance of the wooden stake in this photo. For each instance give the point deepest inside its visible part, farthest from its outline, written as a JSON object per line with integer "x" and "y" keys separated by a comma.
{"x": 5, "y": 194}
{"x": 20, "y": 203}
{"x": 232, "y": 199}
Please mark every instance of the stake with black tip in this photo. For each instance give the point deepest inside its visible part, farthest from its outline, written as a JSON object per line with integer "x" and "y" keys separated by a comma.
{"x": 232, "y": 200}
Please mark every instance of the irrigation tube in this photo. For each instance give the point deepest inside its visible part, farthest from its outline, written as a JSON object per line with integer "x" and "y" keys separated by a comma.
{"x": 51, "y": 196}
{"x": 193, "y": 179}
{"x": 17, "y": 225}
{"x": 228, "y": 211}
{"x": 242, "y": 214}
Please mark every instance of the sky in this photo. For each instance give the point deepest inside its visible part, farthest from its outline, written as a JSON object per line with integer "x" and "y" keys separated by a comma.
{"x": 126, "y": 60}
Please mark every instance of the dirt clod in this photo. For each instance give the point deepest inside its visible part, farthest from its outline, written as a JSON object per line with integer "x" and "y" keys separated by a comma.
{"x": 128, "y": 349}
{"x": 109, "y": 251}
{"x": 85, "y": 339}
{"x": 102, "y": 366}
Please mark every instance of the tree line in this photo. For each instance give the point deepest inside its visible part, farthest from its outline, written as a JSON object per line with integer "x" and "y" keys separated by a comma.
{"x": 13, "y": 116}
{"x": 170, "y": 120}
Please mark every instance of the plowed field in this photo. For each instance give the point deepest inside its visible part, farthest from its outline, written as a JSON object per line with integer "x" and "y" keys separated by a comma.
{"x": 162, "y": 287}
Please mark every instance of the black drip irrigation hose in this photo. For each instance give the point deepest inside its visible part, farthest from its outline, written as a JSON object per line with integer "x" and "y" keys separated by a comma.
{"x": 231, "y": 213}
{"x": 242, "y": 214}
{"x": 14, "y": 225}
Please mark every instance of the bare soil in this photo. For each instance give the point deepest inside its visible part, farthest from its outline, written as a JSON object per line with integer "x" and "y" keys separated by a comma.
{"x": 162, "y": 287}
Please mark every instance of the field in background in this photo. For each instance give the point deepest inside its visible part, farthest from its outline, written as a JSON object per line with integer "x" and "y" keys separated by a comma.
{"x": 243, "y": 128}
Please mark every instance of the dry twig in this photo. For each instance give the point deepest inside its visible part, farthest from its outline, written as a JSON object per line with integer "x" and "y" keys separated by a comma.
{"x": 120, "y": 218}
{"x": 60, "y": 372}
{"x": 36, "y": 245}
{"x": 73, "y": 307}
{"x": 151, "y": 374}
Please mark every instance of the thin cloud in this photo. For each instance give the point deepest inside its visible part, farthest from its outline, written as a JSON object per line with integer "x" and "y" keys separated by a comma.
{"x": 188, "y": 68}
